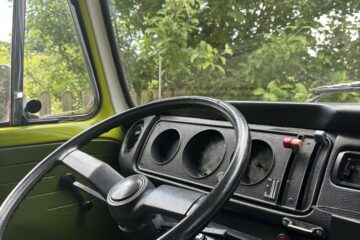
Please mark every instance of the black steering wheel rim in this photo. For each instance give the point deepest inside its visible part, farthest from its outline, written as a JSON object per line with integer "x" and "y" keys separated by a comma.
{"x": 200, "y": 216}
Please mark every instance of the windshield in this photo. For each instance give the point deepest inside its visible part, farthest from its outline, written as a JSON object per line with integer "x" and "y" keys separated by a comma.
{"x": 238, "y": 50}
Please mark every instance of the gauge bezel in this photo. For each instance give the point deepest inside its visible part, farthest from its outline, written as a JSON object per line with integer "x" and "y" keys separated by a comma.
{"x": 172, "y": 146}
{"x": 253, "y": 142}
{"x": 191, "y": 149}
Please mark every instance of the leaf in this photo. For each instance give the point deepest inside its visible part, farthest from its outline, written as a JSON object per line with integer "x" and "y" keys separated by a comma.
{"x": 287, "y": 86}
{"x": 193, "y": 57}
{"x": 206, "y": 65}
{"x": 227, "y": 50}
{"x": 272, "y": 84}
{"x": 301, "y": 88}
{"x": 194, "y": 21}
{"x": 223, "y": 60}
{"x": 202, "y": 44}
{"x": 221, "y": 69}
{"x": 270, "y": 97}
{"x": 259, "y": 92}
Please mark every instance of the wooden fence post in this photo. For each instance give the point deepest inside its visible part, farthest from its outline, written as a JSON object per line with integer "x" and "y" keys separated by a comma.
{"x": 67, "y": 101}
{"x": 151, "y": 96}
{"x": 144, "y": 97}
{"x": 45, "y": 100}
{"x": 86, "y": 97}
{"x": 167, "y": 93}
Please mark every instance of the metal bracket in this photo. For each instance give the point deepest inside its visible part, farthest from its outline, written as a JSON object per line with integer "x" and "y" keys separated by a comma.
{"x": 303, "y": 227}
{"x": 68, "y": 181}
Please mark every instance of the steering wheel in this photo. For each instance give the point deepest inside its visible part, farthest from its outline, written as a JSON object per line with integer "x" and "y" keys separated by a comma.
{"x": 134, "y": 202}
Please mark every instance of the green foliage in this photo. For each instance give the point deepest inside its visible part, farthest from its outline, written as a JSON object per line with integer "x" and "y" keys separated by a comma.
{"x": 4, "y": 79}
{"x": 259, "y": 50}
{"x": 4, "y": 53}
{"x": 285, "y": 92}
{"x": 252, "y": 50}
{"x": 167, "y": 40}
{"x": 53, "y": 60}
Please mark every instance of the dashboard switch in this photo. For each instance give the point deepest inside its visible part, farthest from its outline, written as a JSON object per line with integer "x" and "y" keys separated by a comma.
{"x": 320, "y": 137}
{"x": 294, "y": 144}
{"x": 287, "y": 142}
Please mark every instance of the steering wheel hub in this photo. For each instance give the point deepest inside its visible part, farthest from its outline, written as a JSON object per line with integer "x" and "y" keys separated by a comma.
{"x": 127, "y": 188}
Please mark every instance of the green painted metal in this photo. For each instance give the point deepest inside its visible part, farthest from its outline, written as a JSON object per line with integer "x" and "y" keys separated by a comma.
{"x": 50, "y": 212}
{"x": 35, "y": 134}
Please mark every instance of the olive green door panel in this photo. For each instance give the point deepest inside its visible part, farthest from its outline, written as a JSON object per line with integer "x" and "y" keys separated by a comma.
{"x": 34, "y": 221}
{"x": 50, "y": 212}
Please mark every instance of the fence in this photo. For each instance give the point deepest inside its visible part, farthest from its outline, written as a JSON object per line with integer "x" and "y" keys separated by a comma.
{"x": 67, "y": 101}
{"x": 147, "y": 96}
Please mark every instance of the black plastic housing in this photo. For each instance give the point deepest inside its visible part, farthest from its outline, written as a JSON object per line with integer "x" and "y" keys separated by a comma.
{"x": 296, "y": 174}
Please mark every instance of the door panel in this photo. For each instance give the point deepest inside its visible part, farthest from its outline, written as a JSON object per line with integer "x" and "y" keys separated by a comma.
{"x": 50, "y": 212}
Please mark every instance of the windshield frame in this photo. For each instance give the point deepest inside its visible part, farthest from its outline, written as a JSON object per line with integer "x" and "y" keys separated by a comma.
{"x": 115, "y": 52}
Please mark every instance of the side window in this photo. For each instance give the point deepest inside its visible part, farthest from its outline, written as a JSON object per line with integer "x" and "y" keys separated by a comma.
{"x": 5, "y": 39}
{"x": 54, "y": 68}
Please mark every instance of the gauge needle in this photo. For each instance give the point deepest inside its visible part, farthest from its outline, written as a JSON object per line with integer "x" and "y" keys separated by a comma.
{"x": 259, "y": 165}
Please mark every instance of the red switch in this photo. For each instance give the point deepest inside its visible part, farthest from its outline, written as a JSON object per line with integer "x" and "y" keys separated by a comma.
{"x": 287, "y": 142}
{"x": 294, "y": 144}
{"x": 297, "y": 144}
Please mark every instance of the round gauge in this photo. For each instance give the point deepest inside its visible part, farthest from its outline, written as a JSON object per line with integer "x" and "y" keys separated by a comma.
{"x": 165, "y": 146}
{"x": 204, "y": 153}
{"x": 260, "y": 163}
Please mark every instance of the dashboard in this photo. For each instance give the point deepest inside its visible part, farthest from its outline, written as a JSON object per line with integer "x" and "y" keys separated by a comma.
{"x": 300, "y": 182}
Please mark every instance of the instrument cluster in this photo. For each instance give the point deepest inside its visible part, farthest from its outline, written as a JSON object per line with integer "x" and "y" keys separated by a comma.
{"x": 281, "y": 172}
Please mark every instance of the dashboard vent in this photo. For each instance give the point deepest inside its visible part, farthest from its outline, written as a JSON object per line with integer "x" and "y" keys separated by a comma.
{"x": 133, "y": 136}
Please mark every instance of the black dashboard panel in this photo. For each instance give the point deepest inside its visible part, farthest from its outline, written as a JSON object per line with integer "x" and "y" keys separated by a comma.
{"x": 289, "y": 183}
{"x": 334, "y": 118}
{"x": 306, "y": 194}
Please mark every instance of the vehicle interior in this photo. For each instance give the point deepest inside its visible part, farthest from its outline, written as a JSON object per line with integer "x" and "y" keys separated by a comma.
{"x": 179, "y": 119}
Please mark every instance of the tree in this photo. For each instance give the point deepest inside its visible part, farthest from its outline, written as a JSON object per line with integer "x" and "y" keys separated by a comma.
{"x": 280, "y": 49}
{"x": 252, "y": 50}
{"x": 4, "y": 79}
{"x": 53, "y": 58}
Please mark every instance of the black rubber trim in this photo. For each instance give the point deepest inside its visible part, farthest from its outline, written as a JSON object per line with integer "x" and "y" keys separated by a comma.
{"x": 334, "y": 118}
{"x": 115, "y": 53}
{"x": 199, "y": 217}
{"x": 17, "y": 63}
{"x": 4, "y": 124}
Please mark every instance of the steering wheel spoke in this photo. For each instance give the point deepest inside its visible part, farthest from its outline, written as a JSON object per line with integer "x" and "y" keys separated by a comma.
{"x": 100, "y": 174}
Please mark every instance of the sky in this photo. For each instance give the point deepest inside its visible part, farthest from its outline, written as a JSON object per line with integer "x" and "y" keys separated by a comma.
{"x": 5, "y": 20}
